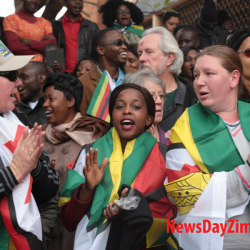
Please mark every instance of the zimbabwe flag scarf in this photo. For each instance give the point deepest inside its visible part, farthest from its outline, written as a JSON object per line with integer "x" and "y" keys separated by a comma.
{"x": 20, "y": 222}
{"x": 207, "y": 138}
{"x": 134, "y": 168}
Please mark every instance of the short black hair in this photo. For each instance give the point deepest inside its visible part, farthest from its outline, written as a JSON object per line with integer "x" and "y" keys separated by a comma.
{"x": 98, "y": 39}
{"x": 82, "y": 59}
{"x": 147, "y": 96}
{"x": 109, "y": 12}
{"x": 168, "y": 14}
{"x": 191, "y": 29}
{"x": 68, "y": 84}
{"x": 39, "y": 67}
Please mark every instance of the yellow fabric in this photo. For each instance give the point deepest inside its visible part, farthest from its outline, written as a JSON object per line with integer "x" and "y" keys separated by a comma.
{"x": 139, "y": 27}
{"x": 63, "y": 201}
{"x": 182, "y": 130}
{"x": 187, "y": 190}
{"x": 155, "y": 232}
{"x": 172, "y": 243}
{"x": 11, "y": 244}
{"x": 116, "y": 163}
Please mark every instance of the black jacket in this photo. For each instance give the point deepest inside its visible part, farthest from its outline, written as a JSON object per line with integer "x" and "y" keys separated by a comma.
{"x": 85, "y": 35}
{"x": 184, "y": 98}
{"x": 34, "y": 115}
{"x": 218, "y": 36}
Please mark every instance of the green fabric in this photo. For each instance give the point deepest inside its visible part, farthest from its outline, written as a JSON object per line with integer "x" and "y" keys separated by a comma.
{"x": 131, "y": 167}
{"x": 170, "y": 98}
{"x": 72, "y": 182}
{"x": 4, "y": 239}
{"x": 213, "y": 139}
{"x": 96, "y": 94}
{"x": 131, "y": 29}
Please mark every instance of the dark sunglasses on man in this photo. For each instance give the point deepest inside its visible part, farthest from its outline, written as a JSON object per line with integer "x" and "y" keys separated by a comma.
{"x": 11, "y": 75}
{"x": 117, "y": 43}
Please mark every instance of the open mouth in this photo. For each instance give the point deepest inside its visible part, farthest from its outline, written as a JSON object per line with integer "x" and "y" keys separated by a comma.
{"x": 77, "y": 8}
{"x": 123, "y": 54}
{"x": 127, "y": 124}
{"x": 21, "y": 88}
{"x": 48, "y": 113}
{"x": 203, "y": 94}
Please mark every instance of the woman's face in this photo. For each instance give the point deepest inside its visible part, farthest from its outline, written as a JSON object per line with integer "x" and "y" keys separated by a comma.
{"x": 244, "y": 59}
{"x": 30, "y": 5}
{"x": 189, "y": 64}
{"x": 8, "y": 93}
{"x": 130, "y": 115}
{"x": 132, "y": 61}
{"x": 172, "y": 23}
{"x": 57, "y": 108}
{"x": 157, "y": 93}
{"x": 213, "y": 84}
{"x": 84, "y": 67}
{"x": 123, "y": 15}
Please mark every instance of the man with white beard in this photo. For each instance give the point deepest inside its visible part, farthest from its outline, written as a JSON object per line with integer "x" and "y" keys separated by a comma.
{"x": 159, "y": 51}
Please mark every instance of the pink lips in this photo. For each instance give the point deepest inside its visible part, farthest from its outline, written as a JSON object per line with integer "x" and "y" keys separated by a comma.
{"x": 127, "y": 124}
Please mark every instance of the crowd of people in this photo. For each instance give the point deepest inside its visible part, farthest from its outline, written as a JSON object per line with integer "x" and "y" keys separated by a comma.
{"x": 122, "y": 138}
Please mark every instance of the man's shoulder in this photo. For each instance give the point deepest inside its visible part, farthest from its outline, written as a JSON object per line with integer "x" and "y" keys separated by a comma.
{"x": 89, "y": 24}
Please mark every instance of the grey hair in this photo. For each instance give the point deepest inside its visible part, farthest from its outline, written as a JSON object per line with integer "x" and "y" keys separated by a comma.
{"x": 168, "y": 44}
{"x": 141, "y": 76}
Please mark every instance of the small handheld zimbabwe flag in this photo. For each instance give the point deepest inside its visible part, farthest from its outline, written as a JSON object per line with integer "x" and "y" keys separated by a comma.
{"x": 99, "y": 104}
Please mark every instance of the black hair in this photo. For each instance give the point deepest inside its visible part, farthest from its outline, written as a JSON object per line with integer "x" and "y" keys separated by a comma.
{"x": 191, "y": 29}
{"x": 147, "y": 96}
{"x": 179, "y": 27}
{"x": 168, "y": 14}
{"x": 68, "y": 84}
{"x": 98, "y": 39}
{"x": 109, "y": 12}
{"x": 133, "y": 48}
{"x": 185, "y": 51}
{"x": 40, "y": 67}
{"x": 82, "y": 59}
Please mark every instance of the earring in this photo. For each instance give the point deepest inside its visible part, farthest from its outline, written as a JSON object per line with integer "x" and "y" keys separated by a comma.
{"x": 116, "y": 20}
{"x": 131, "y": 20}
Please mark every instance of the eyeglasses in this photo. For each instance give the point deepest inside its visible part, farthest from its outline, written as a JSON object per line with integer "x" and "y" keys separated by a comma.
{"x": 117, "y": 43}
{"x": 162, "y": 97}
{"x": 246, "y": 51}
{"x": 120, "y": 12}
{"x": 11, "y": 75}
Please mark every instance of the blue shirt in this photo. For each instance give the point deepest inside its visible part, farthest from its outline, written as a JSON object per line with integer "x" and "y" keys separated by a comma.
{"x": 120, "y": 78}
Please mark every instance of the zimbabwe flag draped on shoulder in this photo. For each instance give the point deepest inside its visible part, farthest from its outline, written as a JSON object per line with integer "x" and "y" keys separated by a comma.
{"x": 20, "y": 222}
{"x": 99, "y": 104}
{"x": 201, "y": 145}
{"x": 142, "y": 166}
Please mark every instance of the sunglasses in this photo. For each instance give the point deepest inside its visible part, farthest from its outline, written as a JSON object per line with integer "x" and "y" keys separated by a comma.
{"x": 246, "y": 51}
{"x": 120, "y": 12}
{"x": 11, "y": 75}
{"x": 117, "y": 43}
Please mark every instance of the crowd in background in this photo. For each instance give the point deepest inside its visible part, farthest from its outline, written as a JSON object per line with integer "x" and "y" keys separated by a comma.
{"x": 123, "y": 105}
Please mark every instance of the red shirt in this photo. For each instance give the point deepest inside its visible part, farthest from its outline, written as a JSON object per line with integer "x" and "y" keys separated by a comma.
{"x": 71, "y": 30}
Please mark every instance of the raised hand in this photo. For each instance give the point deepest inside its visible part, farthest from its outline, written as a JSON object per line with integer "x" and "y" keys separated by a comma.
{"x": 93, "y": 174}
{"x": 27, "y": 153}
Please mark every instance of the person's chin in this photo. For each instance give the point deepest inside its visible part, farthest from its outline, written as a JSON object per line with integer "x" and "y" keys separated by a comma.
{"x": 121, "y": 63}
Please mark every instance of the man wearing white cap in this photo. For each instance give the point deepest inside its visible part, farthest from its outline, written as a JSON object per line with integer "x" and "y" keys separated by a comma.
{"x": 26, "y": 178}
